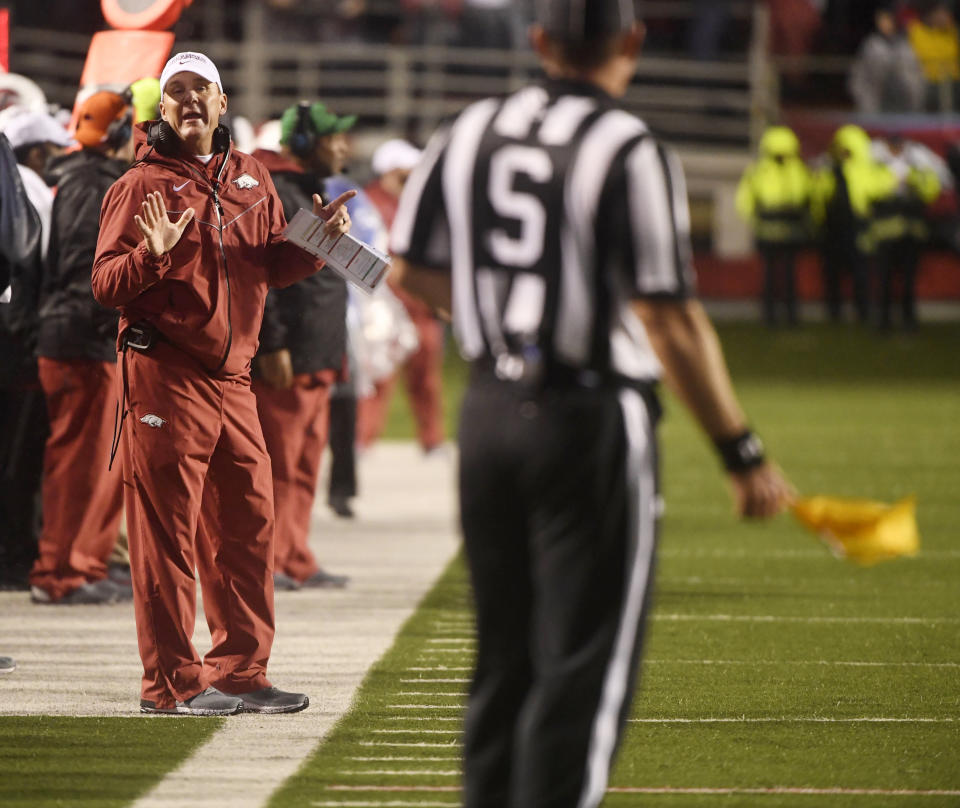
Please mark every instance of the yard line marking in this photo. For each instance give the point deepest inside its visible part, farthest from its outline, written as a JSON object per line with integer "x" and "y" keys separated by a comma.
{"x": 435, "y": 681}
{"x": 403, "y": 772}
{"x": 794, "y": 719}
{"x": 405, "y": 758}
{"x": 447, "y": 694}
{"x": 868, "y": 792}
{"x": 864, "y": 792}
{"x": 417, "y": 731}
{"x": 418, "y": 744}
{"x": 774, "y": 618}
{"x": 812, "y": 553}
{"x": 389, "y": 804}
{"x": 440, "y": 668}
{"x": 848, "y": 663}
{"x": 424, "y": 718}
{"x": 448, "y": 641}
{"x": 423, "y": 706}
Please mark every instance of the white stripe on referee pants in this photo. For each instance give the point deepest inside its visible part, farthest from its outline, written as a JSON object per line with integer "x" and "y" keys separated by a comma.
{"x": 641, "y": 490}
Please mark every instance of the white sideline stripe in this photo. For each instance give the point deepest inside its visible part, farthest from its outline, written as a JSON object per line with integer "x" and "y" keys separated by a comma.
{"x": 446, "y": 694}
{"x": 777, "y": 618}
{"x": 435, "y": 681}
{"x": 403, "y": 773}
{"x": 840, "y": 662}
{"x": 784, "y": 554}
{"x": 418, "y": 744}
{"x": 405, "y": 759}
{"x": 796, "y": 719}
{"x": 451, "y": 642}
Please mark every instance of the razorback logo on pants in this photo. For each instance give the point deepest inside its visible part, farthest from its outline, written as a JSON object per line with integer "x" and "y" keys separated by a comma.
{"x": 187, "y": 512}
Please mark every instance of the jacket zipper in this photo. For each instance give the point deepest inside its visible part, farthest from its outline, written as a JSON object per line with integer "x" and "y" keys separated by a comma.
{"x": 215, "y": 187}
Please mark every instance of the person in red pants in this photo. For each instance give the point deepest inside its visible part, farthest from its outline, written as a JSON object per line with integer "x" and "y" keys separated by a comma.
{"x": 82, "y": 500}
{"x": 191, "y": 238}
{"x": 392, "y": 163}
{"x": 302, "y": 347}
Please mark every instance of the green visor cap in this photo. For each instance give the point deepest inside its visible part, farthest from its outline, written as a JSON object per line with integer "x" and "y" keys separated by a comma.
{"x": 322, "y": 120}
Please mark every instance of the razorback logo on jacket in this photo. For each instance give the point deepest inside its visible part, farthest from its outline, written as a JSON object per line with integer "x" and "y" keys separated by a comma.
{"x": 245, "y": 181}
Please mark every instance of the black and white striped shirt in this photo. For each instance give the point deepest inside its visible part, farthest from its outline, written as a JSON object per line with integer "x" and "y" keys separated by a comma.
{"x": 553, "y": 209}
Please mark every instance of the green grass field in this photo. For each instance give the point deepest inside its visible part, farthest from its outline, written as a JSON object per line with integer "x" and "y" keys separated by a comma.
{"x": 774, "y": 674}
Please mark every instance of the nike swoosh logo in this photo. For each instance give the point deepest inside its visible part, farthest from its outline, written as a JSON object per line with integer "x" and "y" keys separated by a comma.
{"x": 181, "y": 187}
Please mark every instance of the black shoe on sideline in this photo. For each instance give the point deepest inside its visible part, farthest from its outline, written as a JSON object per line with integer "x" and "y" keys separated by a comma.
{"x": 341, "y": 507}
{"x": 7, "y": 664}
{"x": 271, "y": 700}
{"x": 90, "y": 593}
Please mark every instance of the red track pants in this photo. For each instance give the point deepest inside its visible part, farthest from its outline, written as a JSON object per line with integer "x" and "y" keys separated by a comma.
{"x": 82, "y": 501}
{"x": 295, "y": 425}
{"x": 423, "y": 381}
{"x": 199, "y": 498}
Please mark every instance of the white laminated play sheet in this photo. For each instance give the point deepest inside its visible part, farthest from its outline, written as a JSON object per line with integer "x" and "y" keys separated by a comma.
{"x": 353, "y": 260}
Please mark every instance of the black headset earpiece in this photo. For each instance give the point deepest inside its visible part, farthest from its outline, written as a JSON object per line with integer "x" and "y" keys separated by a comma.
{"x": 303, "y": 138}
{"x": 164, "y": 140}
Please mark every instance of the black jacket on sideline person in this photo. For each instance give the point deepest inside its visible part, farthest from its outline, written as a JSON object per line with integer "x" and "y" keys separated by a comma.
{"x": 309, "y": 317}
{"x": 72, "y": 324}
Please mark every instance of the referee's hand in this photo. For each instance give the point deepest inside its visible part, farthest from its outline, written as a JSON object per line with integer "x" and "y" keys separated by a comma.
{"x": 761, "y": 492}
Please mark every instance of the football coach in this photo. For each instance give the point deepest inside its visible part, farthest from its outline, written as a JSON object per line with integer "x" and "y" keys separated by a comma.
{"x": 190, "y": 240}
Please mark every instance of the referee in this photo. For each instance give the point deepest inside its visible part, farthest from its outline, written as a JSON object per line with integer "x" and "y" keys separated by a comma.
{"x": 554, "y": 227}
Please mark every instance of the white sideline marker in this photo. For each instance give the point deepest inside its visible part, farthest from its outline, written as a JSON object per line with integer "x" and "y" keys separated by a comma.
{"x": 794, "y": 720}
{"x": 839, "y": 662}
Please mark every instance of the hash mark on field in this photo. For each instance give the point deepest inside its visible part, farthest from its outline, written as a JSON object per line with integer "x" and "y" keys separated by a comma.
{"x": 869, "y": 792}
{"x": 418, "y": 731}
{"x": 403, "y": 773}
{"x": 455, "y": 694}
{"x": 793, "y": 719}
{"x": 430, "y": 718}
{"x": 423, "y": 706}
{"x": 775, "y": 618}
{"x": 441, "y": 668}
{"x": 850, "y": 663}
{"x": 405, "y": 759}
{"x": 418, "y": 744}
{"x": 435, "y": 681}
{"x": 463, "y": 641}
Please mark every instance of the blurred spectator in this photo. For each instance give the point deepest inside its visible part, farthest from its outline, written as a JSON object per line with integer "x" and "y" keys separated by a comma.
{"x": 794, "y": 24}
{"x": 936, "y": 44}
{"x": 886, "y": 76}
{"x": 146, "y": 99}
{"x": 392, "y": 163}
{"x": 31, "y": 138}
{"x": 492, "y": 24}
{"x": 900, "y": 226}
{"x": 709, "y": 22}
{"x": 845, "y": 194}
{"x": 76, "y": 346}
{"x": 302, "y": 345}
{"x": 431, "y": 22}
{"x": 774, "y": 196}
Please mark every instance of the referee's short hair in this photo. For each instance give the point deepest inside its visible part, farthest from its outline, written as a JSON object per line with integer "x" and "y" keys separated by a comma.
{"x": 585, "y": 33}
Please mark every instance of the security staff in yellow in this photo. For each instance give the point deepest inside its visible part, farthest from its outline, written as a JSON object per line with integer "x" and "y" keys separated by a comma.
{"x": 845, "y": 196}
{"x": 774, "y": 196}
{"x": 900, "y": 229}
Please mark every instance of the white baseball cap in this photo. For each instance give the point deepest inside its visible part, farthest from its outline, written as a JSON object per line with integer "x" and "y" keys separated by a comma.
{"x": 193, "y": 62}
{"x": 395, "y": 154}
{"x": 28, "y": 126}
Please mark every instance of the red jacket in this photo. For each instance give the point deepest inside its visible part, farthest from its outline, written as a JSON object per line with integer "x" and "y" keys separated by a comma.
{"x": 206, "y": 295}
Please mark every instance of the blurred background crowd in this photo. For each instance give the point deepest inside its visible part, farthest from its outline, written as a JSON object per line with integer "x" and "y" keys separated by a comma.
{"x": 818, "y": 138}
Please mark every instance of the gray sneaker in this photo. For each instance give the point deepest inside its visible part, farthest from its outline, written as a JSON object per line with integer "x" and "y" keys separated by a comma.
{"x": 210, "y": 702}
{"x": 90, "y": 593}
{"x": 272, "y": 700}
{"x": 284, "y": 583}
{"x": 7, "y": 664}
{"x": 322, "y": 579}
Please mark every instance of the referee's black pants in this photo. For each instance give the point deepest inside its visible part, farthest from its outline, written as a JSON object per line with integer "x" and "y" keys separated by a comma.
{"x": 558, "y": 506}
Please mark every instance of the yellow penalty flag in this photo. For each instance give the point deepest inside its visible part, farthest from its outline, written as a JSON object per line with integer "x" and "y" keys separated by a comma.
{"x": 862, "y": 530}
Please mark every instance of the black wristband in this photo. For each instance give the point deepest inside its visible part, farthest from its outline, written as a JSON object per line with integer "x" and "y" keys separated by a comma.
{"x": 741, "y": 452}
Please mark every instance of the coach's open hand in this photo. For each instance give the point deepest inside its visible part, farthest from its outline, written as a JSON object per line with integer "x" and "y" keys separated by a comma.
{"x": 160, "y": 234}
{"x": 335, "y": 214}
